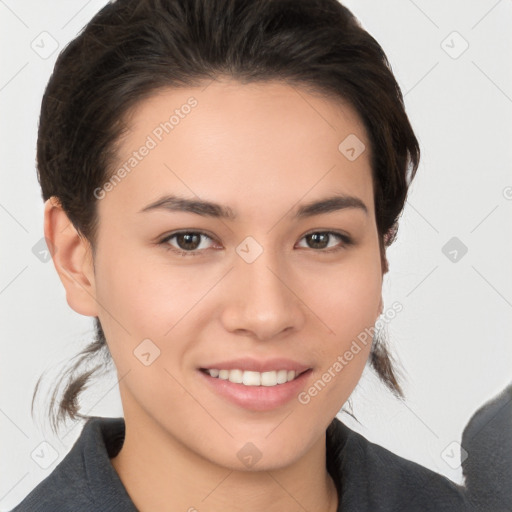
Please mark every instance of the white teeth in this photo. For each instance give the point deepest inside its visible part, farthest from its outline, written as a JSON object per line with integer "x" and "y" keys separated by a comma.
{"x": 249, "y": 378}
{"x": 282, "y": 376}
{"x": 269, "y": 379}
{"x": 236, "y": 376}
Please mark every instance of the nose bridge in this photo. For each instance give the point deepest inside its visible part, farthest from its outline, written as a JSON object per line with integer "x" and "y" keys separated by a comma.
{"x": 262, "y": 301}
{"x": 263, "y": 279}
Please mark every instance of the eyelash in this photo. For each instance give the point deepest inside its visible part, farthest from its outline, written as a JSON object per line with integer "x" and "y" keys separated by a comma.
{"x": 347, "y": 241}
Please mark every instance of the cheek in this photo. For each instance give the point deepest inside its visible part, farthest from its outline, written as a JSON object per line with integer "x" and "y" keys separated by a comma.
{"x": 350, "y": 312}
{"x": 133, "y": 298}
{"x": 147, "y": 295}
{"x": 144, "y": 298}
{"x": 346, "y": 298}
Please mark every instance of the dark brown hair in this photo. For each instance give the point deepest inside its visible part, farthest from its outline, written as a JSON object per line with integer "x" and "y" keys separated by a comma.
{"x": 133, "y": 48}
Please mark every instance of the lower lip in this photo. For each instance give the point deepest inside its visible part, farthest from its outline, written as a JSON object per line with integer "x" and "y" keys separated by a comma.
{"x": 257, "y": 398}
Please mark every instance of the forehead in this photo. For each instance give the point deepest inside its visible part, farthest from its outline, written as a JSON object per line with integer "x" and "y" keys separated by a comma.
{"x": 259, "y": 141}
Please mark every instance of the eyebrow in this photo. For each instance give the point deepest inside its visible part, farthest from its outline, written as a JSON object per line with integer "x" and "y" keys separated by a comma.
{"x": 208, "y": 209}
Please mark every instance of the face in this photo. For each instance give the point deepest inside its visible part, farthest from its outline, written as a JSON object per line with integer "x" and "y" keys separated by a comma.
{"x": 272, "y": 286}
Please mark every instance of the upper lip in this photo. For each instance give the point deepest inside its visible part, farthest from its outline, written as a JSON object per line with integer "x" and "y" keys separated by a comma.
{"x": 255, "y": 365}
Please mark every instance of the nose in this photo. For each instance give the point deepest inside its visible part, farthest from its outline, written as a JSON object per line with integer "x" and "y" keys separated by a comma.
{"x": 261, "y": 301}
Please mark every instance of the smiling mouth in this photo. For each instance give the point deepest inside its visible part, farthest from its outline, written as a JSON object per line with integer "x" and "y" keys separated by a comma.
{"x": 251, "y": 378}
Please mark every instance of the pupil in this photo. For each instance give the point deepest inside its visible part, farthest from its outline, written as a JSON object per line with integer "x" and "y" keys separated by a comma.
{"x": 185, "y": 239}
{"x": 316, "y": 236}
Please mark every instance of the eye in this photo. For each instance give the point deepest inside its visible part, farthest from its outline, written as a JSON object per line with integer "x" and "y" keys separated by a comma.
{"x": 318, "y": 240}
{"x": 188, "y": 242}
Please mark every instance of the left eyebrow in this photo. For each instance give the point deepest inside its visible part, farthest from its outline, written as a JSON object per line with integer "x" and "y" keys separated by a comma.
{"x": 208, "y": 209}
{"x": 331, "y": 204}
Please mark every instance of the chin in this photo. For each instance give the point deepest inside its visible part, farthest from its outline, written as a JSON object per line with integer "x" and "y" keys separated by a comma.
{"x": 258, "y": 454}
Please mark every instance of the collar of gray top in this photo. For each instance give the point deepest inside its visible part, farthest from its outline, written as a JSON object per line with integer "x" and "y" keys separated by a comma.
{"x": 368, "y": 477}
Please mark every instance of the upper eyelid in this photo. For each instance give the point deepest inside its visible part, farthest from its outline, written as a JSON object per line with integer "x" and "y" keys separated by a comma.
{"x": 186, "y": 231}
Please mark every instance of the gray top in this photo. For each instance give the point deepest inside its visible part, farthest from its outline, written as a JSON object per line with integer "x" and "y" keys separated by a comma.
{"x": 368, "y": 477}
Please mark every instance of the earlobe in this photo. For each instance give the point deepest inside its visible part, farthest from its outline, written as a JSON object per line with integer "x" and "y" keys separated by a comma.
{"x": 72, "y": 257}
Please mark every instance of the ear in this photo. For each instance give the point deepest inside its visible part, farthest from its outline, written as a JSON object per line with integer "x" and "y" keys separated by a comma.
{"x": 72, "y": 257}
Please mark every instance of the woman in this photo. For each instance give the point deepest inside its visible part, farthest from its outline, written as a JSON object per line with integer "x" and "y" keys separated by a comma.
{"x": 222, "y": 179}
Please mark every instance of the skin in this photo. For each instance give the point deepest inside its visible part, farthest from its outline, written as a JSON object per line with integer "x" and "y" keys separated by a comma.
{"x": 263, "y": 150}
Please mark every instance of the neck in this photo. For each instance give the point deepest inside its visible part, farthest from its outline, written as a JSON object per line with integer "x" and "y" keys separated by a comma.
{"x": 156, "y": 470}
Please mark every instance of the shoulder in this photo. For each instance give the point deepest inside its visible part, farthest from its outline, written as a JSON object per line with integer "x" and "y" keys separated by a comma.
{"x": 85, "y": 479}
{"x": 375, "y": 479}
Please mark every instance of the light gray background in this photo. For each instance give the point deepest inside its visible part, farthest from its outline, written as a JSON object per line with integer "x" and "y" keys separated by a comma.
{"x": 453, "y": 335}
